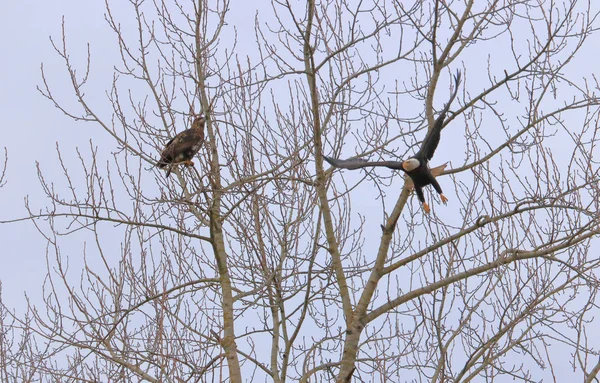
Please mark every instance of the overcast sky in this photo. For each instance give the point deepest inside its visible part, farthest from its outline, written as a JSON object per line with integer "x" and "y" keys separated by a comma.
{"x": 32, "y": 126}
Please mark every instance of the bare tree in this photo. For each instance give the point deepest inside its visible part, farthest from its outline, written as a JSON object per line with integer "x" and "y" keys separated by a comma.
{"x": 263, "y": 264}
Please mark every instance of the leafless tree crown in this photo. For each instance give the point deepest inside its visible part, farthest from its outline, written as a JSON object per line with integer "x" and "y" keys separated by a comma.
{"x": 261, "y": 263}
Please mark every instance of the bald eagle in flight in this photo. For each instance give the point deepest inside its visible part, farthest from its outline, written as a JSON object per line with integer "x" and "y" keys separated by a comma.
{"x": 183, "y": 147}
{"x": 417, "y": 167}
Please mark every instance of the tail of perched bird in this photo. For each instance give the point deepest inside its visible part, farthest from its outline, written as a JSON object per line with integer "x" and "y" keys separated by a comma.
{"x": 161, "y": 164}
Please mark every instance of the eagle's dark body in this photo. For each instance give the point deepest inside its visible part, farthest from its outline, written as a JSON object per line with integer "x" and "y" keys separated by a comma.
{"x": 183, "y": 147}
{"x": 416, "y": 167}
{"x": 422, "y": 177}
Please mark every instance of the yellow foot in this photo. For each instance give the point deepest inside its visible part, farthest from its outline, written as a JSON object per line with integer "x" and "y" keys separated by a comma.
{"x": 444, "y": 199}
{"x": 426, "y": 208}
{"x": 188, "y": 163}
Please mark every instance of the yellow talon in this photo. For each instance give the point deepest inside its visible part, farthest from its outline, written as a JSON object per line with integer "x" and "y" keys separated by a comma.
{"x": 444, "y": 199}
{"x": 426, "y": 208}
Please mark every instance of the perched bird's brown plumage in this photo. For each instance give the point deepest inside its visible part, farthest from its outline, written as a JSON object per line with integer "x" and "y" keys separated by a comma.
{"x": 416, "y": 167}
{"x": 183, "y": 147}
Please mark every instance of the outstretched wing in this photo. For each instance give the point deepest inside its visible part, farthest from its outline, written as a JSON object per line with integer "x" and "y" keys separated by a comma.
{"x": 357, "y": 163}
{"x": 432, "y": 139}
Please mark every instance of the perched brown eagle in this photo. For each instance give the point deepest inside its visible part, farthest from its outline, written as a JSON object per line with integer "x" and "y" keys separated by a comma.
{"x": 183, "y": 147}
{"x": 416, "y": 167}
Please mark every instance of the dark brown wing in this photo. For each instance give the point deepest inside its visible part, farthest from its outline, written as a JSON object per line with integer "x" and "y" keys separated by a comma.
{"x": 182, "y": 147}
{"x": 432, "y": 139}
{"x": 357, "y": 163}
{"x": 163, "y": 156}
